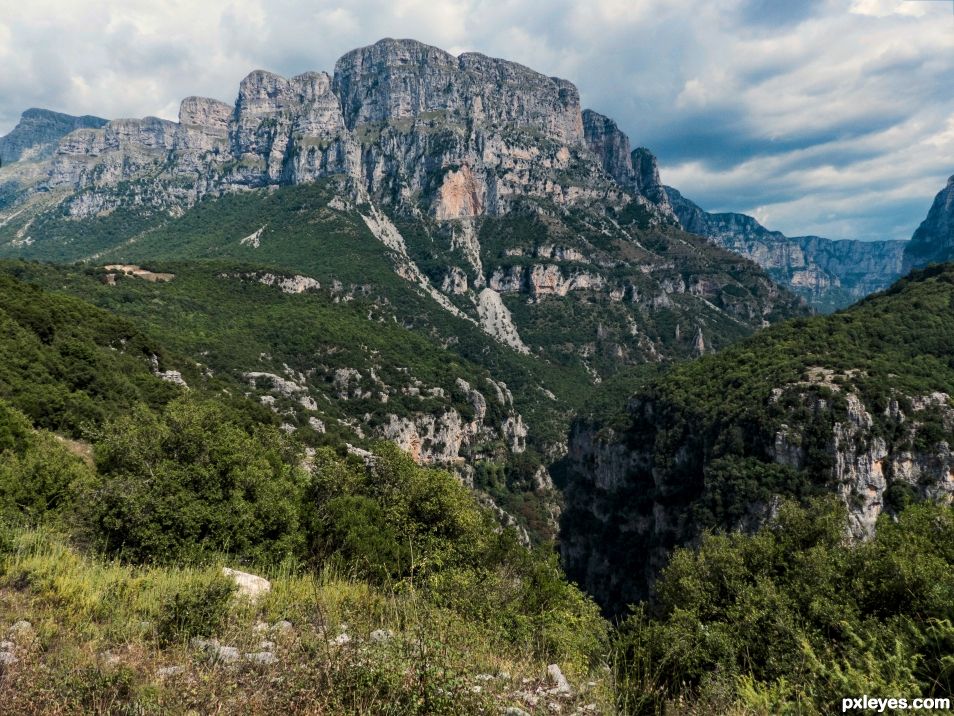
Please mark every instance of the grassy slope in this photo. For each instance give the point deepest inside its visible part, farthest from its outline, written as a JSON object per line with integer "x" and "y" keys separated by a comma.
{"x": 97, "y": 643}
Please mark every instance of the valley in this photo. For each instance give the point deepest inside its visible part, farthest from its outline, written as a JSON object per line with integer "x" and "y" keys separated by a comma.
{"x": 507, "y": 424}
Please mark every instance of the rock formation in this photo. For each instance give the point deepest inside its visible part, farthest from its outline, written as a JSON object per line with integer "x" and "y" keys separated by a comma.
{"x": 829, "y": 274}
{"x": 933, "y": 241}
{"x": 38, "y": 130}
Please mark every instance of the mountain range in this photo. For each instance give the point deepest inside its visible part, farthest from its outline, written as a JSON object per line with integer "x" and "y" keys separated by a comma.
{"x": 493, "y": 217}
{"x": 216, "y": 329}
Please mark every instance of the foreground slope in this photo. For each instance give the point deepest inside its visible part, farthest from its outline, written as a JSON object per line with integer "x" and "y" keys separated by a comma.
{"x": 857, "y": 404}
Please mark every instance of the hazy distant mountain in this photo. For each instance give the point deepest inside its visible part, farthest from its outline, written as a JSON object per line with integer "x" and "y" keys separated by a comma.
{"x": 828, "y": 273}
{"x": 39, "y": 129}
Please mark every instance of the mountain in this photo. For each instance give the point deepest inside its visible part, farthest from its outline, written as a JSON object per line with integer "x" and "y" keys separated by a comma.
{"x": 829, "y": 274}
{"x": 463, "y": 208}
{"x": 856, "y": 404}
{"x": 39, "y": 130}
{"x": 933, "y": 241}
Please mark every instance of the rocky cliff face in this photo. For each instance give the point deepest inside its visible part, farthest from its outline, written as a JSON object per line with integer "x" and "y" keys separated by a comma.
{"x": 933, "y": 241}
{"x": 829, "y": 274}
{"x": 635, "y": 169}
{"x": 629, "y": 503}
{"x": 717, "y": 443}
{"x": 419, "y": 128}
{"x": 490, "y": 188}
{"x": 38, "y": 130}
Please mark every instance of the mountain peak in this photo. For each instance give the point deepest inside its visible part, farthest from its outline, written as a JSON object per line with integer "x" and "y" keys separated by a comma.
{"x": 37, "y": 131}
{"x": 933, "y": 241}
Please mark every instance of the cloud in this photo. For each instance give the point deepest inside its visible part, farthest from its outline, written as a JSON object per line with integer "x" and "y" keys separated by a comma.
{"x": 820, "y": 116}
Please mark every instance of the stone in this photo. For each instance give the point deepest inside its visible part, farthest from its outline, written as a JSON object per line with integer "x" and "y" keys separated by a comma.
{"x": 340, "y": 640}
{"x": 7, "y": 658}
{"x": 249, "y": 585}
{"x": 225, "y": 654}
{"x": 263, "y": 658}
{"x": 21, "y": 629}
{"x": 379, "y": 636}
{"x": 166, "y": 672}
{"x": 282, "y": 627}
{"x": 561, "y": 685}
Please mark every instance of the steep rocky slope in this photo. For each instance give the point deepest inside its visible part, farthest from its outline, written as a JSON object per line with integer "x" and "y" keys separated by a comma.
{"x": 857, "y": 404}
{"x": 39, "y": 130}
{"x": 465, "y": 206}
{"x": 933, "y": 241}
{"x": 488, "y": 187}
{"x": 829, "y": 274}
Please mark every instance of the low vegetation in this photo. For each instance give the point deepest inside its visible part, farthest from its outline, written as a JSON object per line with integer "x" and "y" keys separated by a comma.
{"x": 792, "y": 619}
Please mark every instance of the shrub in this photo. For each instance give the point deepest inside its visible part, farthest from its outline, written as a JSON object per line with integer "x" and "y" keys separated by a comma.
{"x": 190, "y": 482}
{"x": 794, "y": 617}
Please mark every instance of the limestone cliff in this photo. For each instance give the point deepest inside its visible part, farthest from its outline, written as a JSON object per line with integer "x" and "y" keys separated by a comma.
{"x": 829, "y": 274}
{"x": 487, "y": 185}
{"x": 933, "y": 241}
{"x": 857, "y": 405}
{"x": 38, "y": 130}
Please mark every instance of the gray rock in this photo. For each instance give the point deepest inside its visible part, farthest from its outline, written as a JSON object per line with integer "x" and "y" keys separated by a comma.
{"x": 561, "y": 685}
{"x": 7, "y": 658}
{"x": 225, "y": 654}
{"x": 169, "y": 671}
{"x": 829, "y": 274}
{"x": 38, "y": 130}
{"x": 21, "y": 629}
{"x": 282, "y": 627}
{"x": 514, "y": 711}
{"x": 249, "y": 585}
{"x": 933, "y": 241}
{"x": 380, "y": 636}
{"x": 261, "y": 657}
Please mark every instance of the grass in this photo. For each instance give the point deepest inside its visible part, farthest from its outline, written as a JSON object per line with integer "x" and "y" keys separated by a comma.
{"x": 95, "y": 645}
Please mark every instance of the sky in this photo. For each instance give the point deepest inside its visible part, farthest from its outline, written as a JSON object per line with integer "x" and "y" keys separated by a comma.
{"x": 825, "y": 117}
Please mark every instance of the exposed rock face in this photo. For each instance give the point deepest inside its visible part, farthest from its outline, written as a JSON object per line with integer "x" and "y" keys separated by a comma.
{"x": 542, "y": 280}
{"x": 636, "y": 169}
{"x": 625, "y": 511}
{"x": 401, "y": 79}
{"x": 402, "y": 118}
{"x": 646, "y": 171}
{"x": 829, "y": 274}
{"x": 467, "y": 152}
{"x": 933, "y": 241}
{"x": 38, "y": 130}
{"x": 610, "y": 144}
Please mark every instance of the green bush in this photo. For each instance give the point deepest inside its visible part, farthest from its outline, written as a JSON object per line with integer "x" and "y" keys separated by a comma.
{"x": 38, "y": 476}
{"x": 793, "y": 617}
{"x": 191, "y": 482}
{"x": 403, "y": 525}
